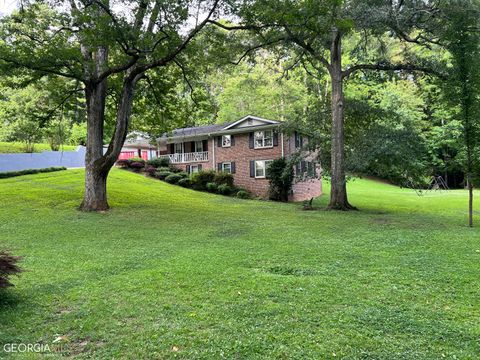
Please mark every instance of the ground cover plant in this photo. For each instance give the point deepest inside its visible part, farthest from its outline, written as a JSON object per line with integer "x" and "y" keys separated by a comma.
{"x": 8, "y": 174}
{"x": 170, "y": 272}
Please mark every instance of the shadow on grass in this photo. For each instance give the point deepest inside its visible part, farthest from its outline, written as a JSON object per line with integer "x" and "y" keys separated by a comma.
{"x": 10, "y": 298}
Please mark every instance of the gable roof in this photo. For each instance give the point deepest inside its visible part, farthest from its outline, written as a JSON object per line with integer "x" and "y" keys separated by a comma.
{"x": 208, "y": 130}
{"x": 250, "y": 117}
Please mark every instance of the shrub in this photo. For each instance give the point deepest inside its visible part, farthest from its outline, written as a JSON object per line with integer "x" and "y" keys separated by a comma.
{"x": 164, "y": 168}
{"x": 136, "y": 165}
{"x": 224, "y": 189}
{"x": 136, "y": 159}
{"x": 123, "y": 163}
{"x": 174, "y": 169}
{"x": 162, "y": 174}
{"x": 202, "y": 178}
{"x": 280, "y": 176}
{"x": 8, "y": 267}
{"x": 173, "y": 178}
{"x": 150, "y": 170}
{"x": 186, "y": 182}
{"x": 224, "y": 178}
{"x": 243, "y": 194}
{"x": 183, "y": 174}
{"x": 8, "y": 174}
{"x": 211, "y": 187}
{"x": 159, "y": 162}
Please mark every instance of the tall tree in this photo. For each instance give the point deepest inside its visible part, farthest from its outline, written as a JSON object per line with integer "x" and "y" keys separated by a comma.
{"x": 316, "y": 29}
{"x": 96, "y": 41}
{"x": 459, "y": 33}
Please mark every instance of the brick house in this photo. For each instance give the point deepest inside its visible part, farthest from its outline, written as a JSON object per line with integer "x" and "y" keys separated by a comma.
{"x": 244, "y": 149}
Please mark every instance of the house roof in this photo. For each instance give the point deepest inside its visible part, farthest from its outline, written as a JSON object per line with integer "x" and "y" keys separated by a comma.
{"x": 137, "y": 139}
{"x": 198, "y": 130}
{"x": 226, "y": 127}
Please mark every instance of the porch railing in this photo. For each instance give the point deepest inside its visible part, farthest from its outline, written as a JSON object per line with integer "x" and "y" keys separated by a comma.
{"x": 186, "y": 157}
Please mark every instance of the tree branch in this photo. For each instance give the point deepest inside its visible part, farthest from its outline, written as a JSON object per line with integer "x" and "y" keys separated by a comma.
{"x": 256, "y": 47}
{"x": 390, "y": 67}
{"x": 185, "y": 77}
{"x": 46, "y": 70}
{"x": 307, "y": 47}
{"x": 171, "y": 56}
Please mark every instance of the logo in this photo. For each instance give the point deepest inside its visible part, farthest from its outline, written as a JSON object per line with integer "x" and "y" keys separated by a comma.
{"x": 24, "y": 348}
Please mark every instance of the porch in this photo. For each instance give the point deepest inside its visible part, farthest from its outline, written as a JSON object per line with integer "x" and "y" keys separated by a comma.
{"x": 181, "y": 158}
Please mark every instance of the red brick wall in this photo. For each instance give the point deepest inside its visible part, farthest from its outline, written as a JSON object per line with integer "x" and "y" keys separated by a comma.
{"x": 305, "y": 190}
{"x": 241, "y": 154}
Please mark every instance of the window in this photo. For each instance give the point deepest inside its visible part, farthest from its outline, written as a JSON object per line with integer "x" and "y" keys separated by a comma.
{"x": 178, "y": 148}
{"x": 195, "y": 169}
{"x": 227, "y": 167}
{"x": 261, "y": 168}
{"x": 298, "y": 140}
{"x": 263, "y": 139}
{"x": 199, "y": 146}
{"x": 226, "y": 140}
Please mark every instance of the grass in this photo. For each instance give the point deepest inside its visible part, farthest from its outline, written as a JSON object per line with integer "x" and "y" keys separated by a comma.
{"x": 19, "y": 147}
{"x": 173, "y": 273}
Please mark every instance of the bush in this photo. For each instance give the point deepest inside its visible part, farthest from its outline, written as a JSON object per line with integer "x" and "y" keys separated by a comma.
{"x": 280, "y": 176}
{"x": 224, "y": 189}
{"x": 224, "y": 178}
{"x": 150, "y": 170}
{"x": 202, "y": 178}
{"x": 123, "y": 163}
{"x": 159, "y": 162}
{"x": 211, "y": 187}
{"x": 173, "y": 178}
{"x": 8, "y": 174}
{"x": 243, "y": 194}
{"x": 8, "y": 267}
{"x": 174, "y": 169}
{"x": 162, "y": 174}
{"x": 186, "y": 182}
{"x": 183, "y": 174}
{"x": 136, "y": 165}
{"x": 136, "y": 159}
{"x": 164, "y": 169}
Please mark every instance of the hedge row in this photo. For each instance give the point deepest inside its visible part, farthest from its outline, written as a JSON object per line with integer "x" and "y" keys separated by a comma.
{"x": 9, "y": 174}
{"x": 206, "y": 180}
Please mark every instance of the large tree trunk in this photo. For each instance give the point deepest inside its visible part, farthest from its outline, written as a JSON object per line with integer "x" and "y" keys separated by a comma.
{"x": 338, "y": 193}
{"x": 95, "y": 196}
{"x": 98, "y": 164}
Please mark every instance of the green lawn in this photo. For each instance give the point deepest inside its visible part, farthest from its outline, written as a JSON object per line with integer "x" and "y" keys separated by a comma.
{"x": 170, "y": 272}
{"x": 18, "y": 147}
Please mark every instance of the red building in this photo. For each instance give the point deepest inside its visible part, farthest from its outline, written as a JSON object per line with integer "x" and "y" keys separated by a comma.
{"x": 138, "y": 145}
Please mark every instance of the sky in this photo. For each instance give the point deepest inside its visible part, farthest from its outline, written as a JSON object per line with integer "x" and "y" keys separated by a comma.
{"x": 6, "y": 6}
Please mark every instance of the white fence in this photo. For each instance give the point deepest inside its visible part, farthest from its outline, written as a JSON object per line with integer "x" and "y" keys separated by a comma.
{"x": 187, "y": 157}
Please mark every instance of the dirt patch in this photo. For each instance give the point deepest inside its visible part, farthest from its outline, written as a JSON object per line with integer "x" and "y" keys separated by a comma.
{"x": 290, "y": 271}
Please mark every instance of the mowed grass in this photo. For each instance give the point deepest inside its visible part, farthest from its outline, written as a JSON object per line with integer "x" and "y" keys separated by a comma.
{"x": 173, "y": 273}
{"x": 18, "y": 147}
